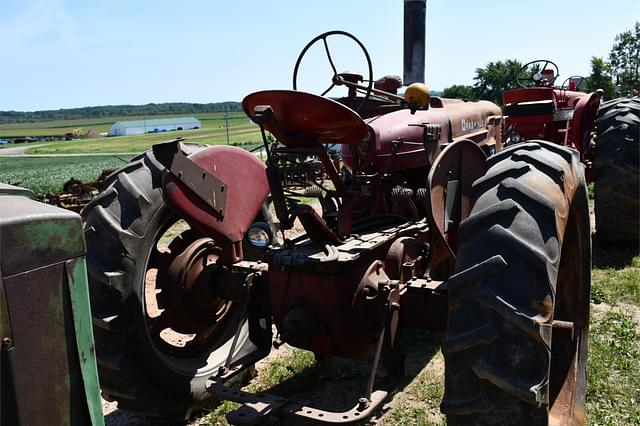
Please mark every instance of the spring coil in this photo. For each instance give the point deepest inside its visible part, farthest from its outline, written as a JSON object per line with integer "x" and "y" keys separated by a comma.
{"x": 313, "y": 191}
{"x": 399, "y": 193}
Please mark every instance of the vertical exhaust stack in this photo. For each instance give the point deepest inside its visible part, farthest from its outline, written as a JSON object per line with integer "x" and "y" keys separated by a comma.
{"x": 414, "y": 40}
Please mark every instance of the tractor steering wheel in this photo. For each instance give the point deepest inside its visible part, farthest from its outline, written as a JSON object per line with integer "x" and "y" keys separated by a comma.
{"x": 578, "y": 79}
{"x": 348, "y": 79}
{"x": 533, "y": 74}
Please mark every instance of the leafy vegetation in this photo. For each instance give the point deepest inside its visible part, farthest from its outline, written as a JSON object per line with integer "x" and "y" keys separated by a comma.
{"x": 490, "y": 82}
{"x": 49, "y": 174}
{"x": 495, "y": 78}
{"x": 624, "y": 59}
{"x": 600, "y": 78}
{"x": 460, "y": 91}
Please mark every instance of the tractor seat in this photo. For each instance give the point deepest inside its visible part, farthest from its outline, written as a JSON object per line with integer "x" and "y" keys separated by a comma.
{"x": 388, "y": 83}
{"x": 544, "y": 107}
{"x": 303, "y": 120}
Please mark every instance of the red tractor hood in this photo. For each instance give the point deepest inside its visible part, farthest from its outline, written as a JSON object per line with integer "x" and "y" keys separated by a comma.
{"x": 457, "y": 120}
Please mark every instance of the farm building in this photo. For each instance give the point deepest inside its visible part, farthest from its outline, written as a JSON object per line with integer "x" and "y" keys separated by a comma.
{"x": 157, "y": 125}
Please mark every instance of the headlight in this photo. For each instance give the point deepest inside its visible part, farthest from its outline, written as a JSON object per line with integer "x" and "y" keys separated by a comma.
{"x": 516, "y": 138}
{"x": 259, "y": 235}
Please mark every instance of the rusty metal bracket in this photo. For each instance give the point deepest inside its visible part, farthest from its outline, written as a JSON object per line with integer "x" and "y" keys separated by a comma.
{"x": 430, "y": 138}
{"x": 356, "y": 414}
{"x": 236, "y": 336}
{"x": 205, "y": 185}
{"x": 257, "y": 406}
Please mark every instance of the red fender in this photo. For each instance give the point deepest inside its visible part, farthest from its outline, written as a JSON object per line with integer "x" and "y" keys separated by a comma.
{"x": 246, "y": 185}
{"x": 584, "y": 117}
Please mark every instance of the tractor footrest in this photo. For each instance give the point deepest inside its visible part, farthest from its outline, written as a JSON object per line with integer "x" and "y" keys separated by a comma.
{"x": 256, "y": 406}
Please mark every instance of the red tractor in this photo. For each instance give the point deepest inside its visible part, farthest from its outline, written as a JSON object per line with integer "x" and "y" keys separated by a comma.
{"x": 607, "y": 137}
{"x": 420, "y": 230}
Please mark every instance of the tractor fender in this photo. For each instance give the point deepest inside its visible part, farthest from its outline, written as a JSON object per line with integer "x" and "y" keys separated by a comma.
{"x": 584, "y": 117}
{"x": 449, "y": 182}
{"x": 245, "y": 185}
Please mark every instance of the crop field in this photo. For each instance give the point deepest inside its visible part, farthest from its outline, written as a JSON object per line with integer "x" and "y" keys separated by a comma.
{"x": 246, "y": 135}
{"x": 99, "y": 125}
{"x": 48, "y": 174}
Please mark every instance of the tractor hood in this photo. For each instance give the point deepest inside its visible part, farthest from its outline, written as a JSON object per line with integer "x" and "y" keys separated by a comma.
{"x": 457, "y": 120}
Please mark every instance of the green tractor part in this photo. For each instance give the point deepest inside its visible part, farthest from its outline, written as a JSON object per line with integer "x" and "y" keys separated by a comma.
{"x": 48, "y": 368}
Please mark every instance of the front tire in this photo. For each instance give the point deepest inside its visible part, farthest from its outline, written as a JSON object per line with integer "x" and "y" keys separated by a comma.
{"x": 523, "y": 263}
{"x": 147, "y": 360}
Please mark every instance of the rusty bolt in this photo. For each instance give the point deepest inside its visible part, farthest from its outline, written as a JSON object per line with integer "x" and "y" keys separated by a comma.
{"x": 363, "y": 404}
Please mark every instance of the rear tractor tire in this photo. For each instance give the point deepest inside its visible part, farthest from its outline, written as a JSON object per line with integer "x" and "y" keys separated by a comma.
{"x": 516, "y": 343}
{"x": 616, "y": 171}
{"x": 156, "y": 347}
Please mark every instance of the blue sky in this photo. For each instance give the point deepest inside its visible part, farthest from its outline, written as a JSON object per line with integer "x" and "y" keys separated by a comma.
{"x": 71, "y": 53}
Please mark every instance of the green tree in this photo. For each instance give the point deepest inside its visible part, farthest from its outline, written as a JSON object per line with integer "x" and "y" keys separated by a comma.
{"x": 460, "y": 91}
{"x": 600, "y": 77}
{"x": 495, "y": 78}
{"x": 625, "y": 59}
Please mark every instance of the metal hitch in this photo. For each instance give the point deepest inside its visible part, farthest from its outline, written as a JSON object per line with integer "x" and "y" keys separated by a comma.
{"x": 257, "y": 406}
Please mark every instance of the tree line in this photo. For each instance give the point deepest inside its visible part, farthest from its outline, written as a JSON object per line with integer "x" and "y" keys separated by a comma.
{"x": 618, "y": 75}
{"x": 117, "y": 111}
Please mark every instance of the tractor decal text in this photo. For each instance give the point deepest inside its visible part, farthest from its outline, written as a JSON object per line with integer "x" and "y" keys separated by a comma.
{"x": 467, "y": 125}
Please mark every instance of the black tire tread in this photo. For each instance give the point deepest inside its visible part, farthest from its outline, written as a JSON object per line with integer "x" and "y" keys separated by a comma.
{"x": 616, "y": 170}
{"x": 107, "y": 216}
{"x": 512, "y": 233}
{"x": 116, "y": 224}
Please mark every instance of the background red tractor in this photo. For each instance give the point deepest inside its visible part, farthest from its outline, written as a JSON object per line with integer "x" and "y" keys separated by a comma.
{"x": 606, "y": 135}
{"x": 421, "y": 231}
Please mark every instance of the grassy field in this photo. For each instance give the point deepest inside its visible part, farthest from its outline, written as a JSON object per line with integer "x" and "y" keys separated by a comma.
{"x": 100, "y": 125}
{"x": 48, "y": 174}
{"x": 213, "y": 131}
{"x": 246, "y": 135}
{"x": 241, "y": 132}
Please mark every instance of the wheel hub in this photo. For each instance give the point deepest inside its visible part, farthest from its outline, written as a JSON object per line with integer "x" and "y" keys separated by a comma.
{"x": 192, "y": 272}
{"x": 197, "y": 303}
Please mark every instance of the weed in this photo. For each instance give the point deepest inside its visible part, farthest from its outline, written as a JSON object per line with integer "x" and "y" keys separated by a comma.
{"x": 612, "y": 285}
{"x": 613, "y": 393}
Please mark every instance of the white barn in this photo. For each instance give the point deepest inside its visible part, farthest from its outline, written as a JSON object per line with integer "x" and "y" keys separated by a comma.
{"x": 157, "y": 125}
